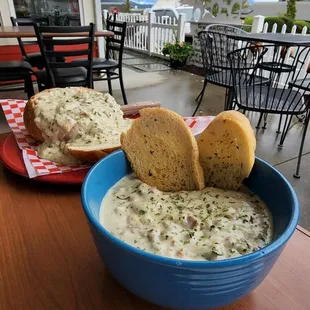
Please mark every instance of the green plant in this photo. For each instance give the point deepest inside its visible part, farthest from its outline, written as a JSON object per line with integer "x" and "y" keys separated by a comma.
{"x": 280, "y": 21}
{"x": 235, "y": 8}
{"x": 248, "y": 21}
{"x": 178, "y": 51}
{"x": 291, "y": 9}
{"x": 224, "y": 11}
{"x": 301, "y": 24}
{"x": 127, "y": 6}
{"x": 215, "y": 9}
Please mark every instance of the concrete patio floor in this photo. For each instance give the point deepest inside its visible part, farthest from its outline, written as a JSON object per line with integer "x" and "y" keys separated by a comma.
{"x": 177, "y": 90}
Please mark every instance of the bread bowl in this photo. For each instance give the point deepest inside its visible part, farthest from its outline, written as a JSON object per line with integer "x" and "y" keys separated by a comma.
{"x": 76, "y": 122}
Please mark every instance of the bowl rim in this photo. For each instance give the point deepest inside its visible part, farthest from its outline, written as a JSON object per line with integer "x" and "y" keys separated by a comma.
{"x": 227, "y": 262}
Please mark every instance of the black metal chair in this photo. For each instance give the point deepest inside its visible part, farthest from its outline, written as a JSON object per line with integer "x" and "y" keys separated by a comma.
{"x": 108, "y": 65}
{"x": 214, "y": 57}
{"x": 35, "y": 59}
{"x": 14, "y": 71}
{"x": 58, "y": 73}
{"x": 288, "y": 98}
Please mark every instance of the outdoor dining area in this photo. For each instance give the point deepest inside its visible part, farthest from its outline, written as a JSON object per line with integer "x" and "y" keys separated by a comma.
{"x": 54, "y": 252}
{"x": 66, "y": 55}
{"x": 262, "y": 73}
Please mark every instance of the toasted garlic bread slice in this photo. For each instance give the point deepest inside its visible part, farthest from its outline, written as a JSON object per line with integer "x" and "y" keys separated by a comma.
{"x": 227, "y": 150}
{"x": 163, "y": 151}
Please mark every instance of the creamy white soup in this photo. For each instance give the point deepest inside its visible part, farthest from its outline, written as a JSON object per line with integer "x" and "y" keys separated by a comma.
{"x": 211, "y": 224}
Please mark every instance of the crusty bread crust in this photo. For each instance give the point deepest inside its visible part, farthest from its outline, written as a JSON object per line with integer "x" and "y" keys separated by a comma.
{"x": 163, "y": 152}
{"x": 29, "y": 120}
{"x": 91, "y": 156}
{"x": 86, "y": 154}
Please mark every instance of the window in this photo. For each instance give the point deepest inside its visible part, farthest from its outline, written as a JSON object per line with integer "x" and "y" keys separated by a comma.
{"x": 55, "y": 12}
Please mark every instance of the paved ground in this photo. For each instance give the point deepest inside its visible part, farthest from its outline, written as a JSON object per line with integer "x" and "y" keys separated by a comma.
{"x": 177, "y": 89}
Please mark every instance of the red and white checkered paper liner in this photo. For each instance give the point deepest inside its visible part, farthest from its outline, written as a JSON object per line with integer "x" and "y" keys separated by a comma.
{"x": 13, "y": 111}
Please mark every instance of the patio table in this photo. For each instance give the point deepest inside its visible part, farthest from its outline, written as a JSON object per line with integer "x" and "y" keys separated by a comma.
{"x": 28, "y": 32}
{"x": 48, "y": 259}
{"x": 274, "y": 38}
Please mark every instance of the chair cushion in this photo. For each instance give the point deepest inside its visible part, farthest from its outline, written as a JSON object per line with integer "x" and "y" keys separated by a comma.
{"x": 102, "y": 63}
{"x": 14, "y": 70}
{"x": 15, "y": 65}
{"x": 63, "y": 76}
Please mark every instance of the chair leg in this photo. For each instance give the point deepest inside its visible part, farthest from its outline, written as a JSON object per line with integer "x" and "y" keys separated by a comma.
{"x": 40, "y": 87}
{"x": 279, "y": 126}
{"x": 265, "y": 120}
{"x": 296, "y": 175}
{"x": 229, "y": 103}
{"x": 29, "y": 87}
{"x": 259, "y": 120}
{"x": 285, "y": 129}
{"x": 121, "y": 82}
{"x": 109, "y": 83}
{"x": 226, "y": 99}
{"x": 200, "y": 96}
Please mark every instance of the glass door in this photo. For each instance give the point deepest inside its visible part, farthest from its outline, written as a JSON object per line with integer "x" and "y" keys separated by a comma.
{"x": 53, "y": 12}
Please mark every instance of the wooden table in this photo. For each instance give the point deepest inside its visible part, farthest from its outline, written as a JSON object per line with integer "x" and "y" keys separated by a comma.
{"x": 28, "y": 32}
{"x": 48, "y": 259}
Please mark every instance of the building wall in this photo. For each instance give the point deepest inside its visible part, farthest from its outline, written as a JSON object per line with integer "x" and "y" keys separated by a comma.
{"x": 5, "y": 13}
{"x": 88, "y": 8}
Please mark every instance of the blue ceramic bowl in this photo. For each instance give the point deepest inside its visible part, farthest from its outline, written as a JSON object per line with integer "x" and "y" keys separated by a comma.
{"x": 181, "y": 284}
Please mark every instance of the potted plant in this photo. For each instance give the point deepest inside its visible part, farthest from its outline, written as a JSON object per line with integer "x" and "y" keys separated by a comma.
{"x": 178, "y": 52}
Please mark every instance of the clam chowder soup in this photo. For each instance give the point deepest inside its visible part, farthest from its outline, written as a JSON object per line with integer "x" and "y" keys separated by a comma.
{"x": 211, "y": 224}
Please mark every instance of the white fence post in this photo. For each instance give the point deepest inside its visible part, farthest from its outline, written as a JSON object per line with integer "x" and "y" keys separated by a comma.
{"x": 181, "y": 28}
{"x": 150, "y": 34}
{"x": 258, "y": 24}
{"x": 99, "y": 27}
{"x": 105, "y": 15}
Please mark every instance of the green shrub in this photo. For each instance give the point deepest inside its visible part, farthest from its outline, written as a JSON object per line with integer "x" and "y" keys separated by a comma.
{"x": 235, "y": 8}
{"x": 280, "y": 21}
{"x": 248, "y": 23}
{"x": 177, "y": 50}
{"x": 301, "y": 24}
{"x": 291, "y": 9}
{"x": 215, "y": 9}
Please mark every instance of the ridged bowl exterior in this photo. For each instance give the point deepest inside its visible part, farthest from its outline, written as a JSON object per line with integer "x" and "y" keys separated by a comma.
{"x": 183, "y": 284}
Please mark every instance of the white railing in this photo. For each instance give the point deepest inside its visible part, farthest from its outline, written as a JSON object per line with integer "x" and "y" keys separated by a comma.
{"x": 259, "y": 25}
{"x": 131, "y": 17}
{"x": 148, "y": 33}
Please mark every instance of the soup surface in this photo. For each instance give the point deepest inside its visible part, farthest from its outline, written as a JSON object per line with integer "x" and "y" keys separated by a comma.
{"x": 211, "y": 224}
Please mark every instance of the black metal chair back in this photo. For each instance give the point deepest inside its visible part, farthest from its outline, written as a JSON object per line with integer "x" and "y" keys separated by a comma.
{"x": 287, "y": 95}
{"x": 215, "y": 47}
{"x": 48, "y": 48}
{"x": 23, "y": 21}
{"x": 215, "y": 44}
{"x": 284, "y": 96}
{"x": 115, "y": 44}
